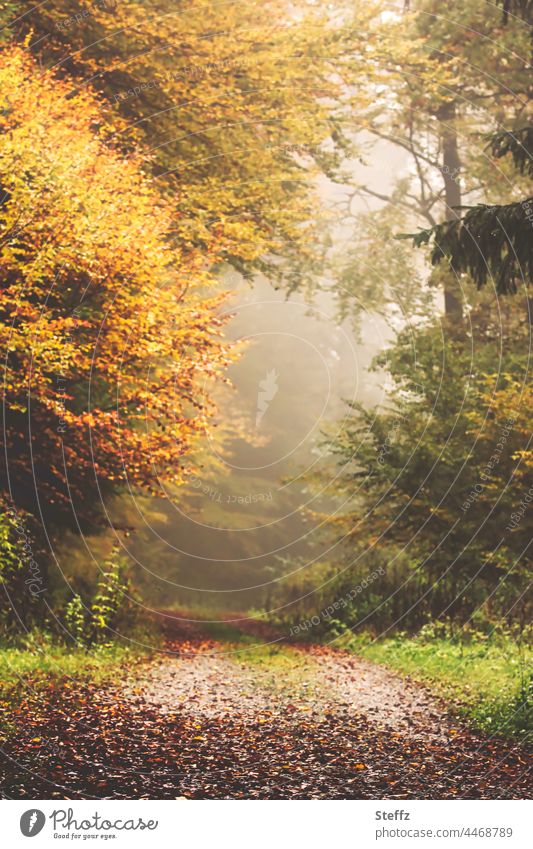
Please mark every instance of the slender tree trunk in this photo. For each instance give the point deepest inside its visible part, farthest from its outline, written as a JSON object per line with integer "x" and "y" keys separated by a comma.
{"x": 529, "y": 308}
{"x": 451, "y": 169}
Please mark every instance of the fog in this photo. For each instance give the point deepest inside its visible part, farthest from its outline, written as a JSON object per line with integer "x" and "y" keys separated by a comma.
{"x": 243, "y": 520}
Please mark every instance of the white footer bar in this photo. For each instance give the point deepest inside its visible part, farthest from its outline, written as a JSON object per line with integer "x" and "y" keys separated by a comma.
{"x": 268, "y": 824}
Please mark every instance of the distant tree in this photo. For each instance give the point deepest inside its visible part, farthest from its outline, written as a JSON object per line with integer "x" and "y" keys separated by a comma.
{"x": 451, "y": 77}
{"x": 494, "y": 242}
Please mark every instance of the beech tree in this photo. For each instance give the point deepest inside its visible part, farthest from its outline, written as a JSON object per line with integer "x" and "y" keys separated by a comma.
{"x": 110, "y": 339}
{"x": 242, "y": 105}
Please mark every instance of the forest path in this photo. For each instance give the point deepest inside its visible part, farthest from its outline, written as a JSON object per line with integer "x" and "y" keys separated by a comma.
{"x": 211, "y": 679}
{"x": 236, "y": 717}
{"x": 269, "y": 720}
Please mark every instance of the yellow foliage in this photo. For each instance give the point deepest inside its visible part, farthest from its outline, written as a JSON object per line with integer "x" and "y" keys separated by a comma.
{"x": 109, "y": 346}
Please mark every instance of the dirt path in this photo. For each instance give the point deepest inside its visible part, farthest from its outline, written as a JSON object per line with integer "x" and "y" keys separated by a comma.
{"x": 210, "y": 720}
{"x": 209, "y": 680}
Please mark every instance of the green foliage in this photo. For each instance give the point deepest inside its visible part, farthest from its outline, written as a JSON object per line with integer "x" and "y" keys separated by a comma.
{"x": 431, "y": 483}
{"x": 111, "y": 600}
{"x": 21, "y": 576}
{"x": 487, "y": 678}
{"x": 519, "y": 144}
{"x": 8, "y": 12}
{"x": 469, "y": 87}
{"x": 76, "y": 620}
{"x": 490, "y": 243}
{"x": 10, "y": 562}
{"x": 95, "y": 622}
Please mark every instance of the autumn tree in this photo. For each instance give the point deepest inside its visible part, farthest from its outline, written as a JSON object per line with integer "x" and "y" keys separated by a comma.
{"x": 242, "y": 104}
{"x": 110, "y": 339}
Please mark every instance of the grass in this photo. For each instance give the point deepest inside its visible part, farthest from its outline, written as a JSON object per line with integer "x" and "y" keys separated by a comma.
{"x": 31, "y": 670}
{"x": 489, "y": 681}
{"x": 42, "y": 660}
{"x": 226, "y": 632}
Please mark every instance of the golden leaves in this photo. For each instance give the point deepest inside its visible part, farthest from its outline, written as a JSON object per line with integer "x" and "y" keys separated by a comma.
{"x": 99, "y": 310}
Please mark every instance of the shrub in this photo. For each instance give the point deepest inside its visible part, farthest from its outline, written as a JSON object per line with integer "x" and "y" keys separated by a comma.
{"x": 111, "y": 600}
{"x": 76, "y": 620}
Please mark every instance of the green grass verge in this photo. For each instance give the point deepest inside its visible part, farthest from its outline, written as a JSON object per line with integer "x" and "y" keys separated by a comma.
{"x": 487, "y": 680}
{"x": 41, "y": 661}
{"x": 29, "y": 675}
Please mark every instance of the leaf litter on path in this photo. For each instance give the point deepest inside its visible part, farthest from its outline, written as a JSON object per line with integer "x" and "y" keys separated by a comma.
{"x": 207, "y": 721}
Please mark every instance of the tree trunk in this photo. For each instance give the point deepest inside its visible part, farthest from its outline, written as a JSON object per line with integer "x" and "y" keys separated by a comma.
{"x": 451, "y": 168}
{"x": 529, "y": 308}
